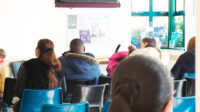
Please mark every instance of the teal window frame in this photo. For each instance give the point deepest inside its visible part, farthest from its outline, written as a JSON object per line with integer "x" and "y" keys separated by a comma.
{"x": 171, "y": 14}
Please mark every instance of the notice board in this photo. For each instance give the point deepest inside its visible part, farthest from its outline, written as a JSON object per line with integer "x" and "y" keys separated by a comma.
{"x": 91, "y": 29}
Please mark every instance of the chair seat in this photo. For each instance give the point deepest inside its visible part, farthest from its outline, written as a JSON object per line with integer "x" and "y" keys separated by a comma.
{"x": 32, "y": 100}
{"x": 91, "y": 93}
{"x": 184, "y": 104}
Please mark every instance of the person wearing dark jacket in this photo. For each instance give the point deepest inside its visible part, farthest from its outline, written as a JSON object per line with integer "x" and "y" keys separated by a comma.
{"x": 78, "y": 65}
{"x": 43, "y": 72}
{"x": 186, "y": 62}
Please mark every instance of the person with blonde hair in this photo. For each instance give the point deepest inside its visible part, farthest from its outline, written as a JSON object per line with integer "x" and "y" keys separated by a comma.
{"x": 141, "y": 84}
{"x": 185, "y": 62}
{"x": 149, "y": 48}
{"x": 4, "y": 71}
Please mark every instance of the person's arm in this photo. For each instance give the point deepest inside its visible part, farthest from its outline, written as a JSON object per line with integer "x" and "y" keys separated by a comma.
{"x": 177, "y": 69}
{"x": 62, "y": 82}
{"x": 3, "y": 74}
{"x": 20, "y": 83}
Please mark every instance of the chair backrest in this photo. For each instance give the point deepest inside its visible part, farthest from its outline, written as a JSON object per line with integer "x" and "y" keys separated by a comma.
{"x": 9, "y": 90}
{"x": 190, "y": 86}
{"x": 180, "y": 88}
{"x": 91, "y": 93}
{"x": 71, "y": 85}
{"x": 190, "y": 75}
{"x": 32, "y": 100}
{"x": 15, "y": 67}
{"x": 107, "y": 93}
{"x": 104, "y": 79}
{"x": 184, "y": 104}
{"x": 106, "y": 106}
{"x": 76, "y": 107}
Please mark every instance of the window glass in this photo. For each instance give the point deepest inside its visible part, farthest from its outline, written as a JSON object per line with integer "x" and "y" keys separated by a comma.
{"x": 139, "y": 29}
{"x": 160, "y": 5}
{"x": 160, "y": 31}
{"x": 177, "y": 40}
{"x": 179, "y": 5}
{"x": 140, "y": 5}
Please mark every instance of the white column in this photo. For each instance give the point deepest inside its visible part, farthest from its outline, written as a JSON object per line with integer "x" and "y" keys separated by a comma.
{"x": 198, "y": 56}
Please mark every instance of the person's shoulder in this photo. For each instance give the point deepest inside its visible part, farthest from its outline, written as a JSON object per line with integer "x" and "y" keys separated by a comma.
{"x": 33, "y": 62}
{"x": 188, "y": 53}
{"x": 89, "y": 54}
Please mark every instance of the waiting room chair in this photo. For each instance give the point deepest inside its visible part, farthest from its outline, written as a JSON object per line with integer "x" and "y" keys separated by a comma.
{"x": 104, "y": 79}
{"x": 107, "y": 93}
{"x": 9, "y": 90}
{"x": 32, "y": 100}
{"x": 91, "y": 93}
{"x": 190, "y": 75}
{"x": 71, "y": 85}
{"x": 180, "y": 88}
{"x": 190, "y": 86}
{"x": 76, "y": 107}
{"x": 15, "y": 67}
{"x": 106, "y": 106}
{"x": 184, "y": 104}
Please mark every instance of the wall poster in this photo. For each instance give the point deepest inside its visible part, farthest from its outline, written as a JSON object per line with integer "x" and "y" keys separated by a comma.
{"x": 92, "y": 29}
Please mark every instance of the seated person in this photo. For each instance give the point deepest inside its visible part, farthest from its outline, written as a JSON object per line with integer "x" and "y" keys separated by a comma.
{"x": 4, "y": 72}
{"x": 141, "y": 84}
{"x": 148, "y": 42}
{"x": 78, "y": 65}
{"x": 115, "y": 59}
{"x": 149, "y": 47}
{"x": 186, "y": 62}
{"x": 43, "y": 72}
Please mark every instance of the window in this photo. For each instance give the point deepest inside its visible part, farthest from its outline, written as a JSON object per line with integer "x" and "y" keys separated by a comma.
{"x": 161, "y": 19}
{"x": 160, "y": 5}
{"x": 139, "y": 29}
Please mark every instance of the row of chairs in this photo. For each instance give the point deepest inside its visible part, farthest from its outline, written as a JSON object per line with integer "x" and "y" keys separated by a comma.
{"x": 9, "y": 89}
{"x": 32, "y": 100}
{"x": 49, "y": 101}
{"x": 180, "y": 104}
{"x": 96, "y": 95}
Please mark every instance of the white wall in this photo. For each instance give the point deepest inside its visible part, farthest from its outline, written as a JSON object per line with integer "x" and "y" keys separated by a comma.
{"x": 24, "y": 22}
{"x": 198, "y": 56}
{"x": 190, "y": 20}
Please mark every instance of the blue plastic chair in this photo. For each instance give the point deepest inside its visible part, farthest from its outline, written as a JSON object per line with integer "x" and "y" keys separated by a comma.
{"x": 190, "y": 75}
{"x": 106, "y": 106}
{"x": 32, "y": 100}
{"x": 16, "y": 66}
{"x": 184, "y": 104}
{"x": 76, "y": 107}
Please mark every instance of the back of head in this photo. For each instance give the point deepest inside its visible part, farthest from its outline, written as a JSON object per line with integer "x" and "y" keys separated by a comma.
{"x": 191, "y": 44}
{"x": 150, "y": 51}
{"x": 131, "y": 48}
{"x": 77, "y": 45}
{"x": 47, "y": 55}
{"x": 2, "y": 53}
{"x": 150, "y": 42}
{"x": 140, "y": 84}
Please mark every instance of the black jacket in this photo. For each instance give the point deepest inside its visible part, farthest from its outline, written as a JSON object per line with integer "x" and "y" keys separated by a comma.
{"x": 32, "y": 75}
{"x": 184, "y": 64}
